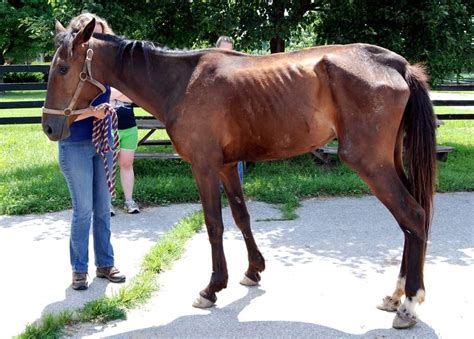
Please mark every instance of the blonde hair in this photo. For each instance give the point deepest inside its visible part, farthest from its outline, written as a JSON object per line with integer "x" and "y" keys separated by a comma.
{"x": 79, "y": 22}
{"x": 226, "y": 39}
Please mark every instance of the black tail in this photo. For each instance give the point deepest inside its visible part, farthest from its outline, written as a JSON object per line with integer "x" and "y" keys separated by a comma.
{"x": 420, "y": 141}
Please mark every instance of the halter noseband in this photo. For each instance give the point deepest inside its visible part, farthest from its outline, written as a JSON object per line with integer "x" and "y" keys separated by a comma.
{"x": 85, "y": 75}
{"x": 100, "y": 130}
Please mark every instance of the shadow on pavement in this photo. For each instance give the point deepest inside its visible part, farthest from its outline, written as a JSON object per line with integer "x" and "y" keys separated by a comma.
{"x": 77, "y": 299}
{"x": 219, "y": 321}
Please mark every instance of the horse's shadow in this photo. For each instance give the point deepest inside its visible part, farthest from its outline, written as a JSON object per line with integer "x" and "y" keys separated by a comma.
{"x": 224, "y": 322}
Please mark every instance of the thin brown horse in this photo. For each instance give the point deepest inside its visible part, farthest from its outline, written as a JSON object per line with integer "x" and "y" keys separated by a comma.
{"x": 220, "y": 107}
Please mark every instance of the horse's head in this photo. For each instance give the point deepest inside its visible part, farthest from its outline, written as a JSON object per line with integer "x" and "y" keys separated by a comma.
{"x": 70, "y": 82}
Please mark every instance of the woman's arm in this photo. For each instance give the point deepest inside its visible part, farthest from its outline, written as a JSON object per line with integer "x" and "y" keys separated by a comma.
{"x": 117, "y": 95}
{"x": 99, "y": 114}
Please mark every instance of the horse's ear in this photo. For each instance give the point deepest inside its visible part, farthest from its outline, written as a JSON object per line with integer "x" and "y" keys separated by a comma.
{"x": 59, "y": 28}
{"x": 85, "y": 34}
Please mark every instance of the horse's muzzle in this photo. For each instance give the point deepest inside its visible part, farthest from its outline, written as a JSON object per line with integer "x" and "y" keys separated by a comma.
{"x": 55, "y": 127}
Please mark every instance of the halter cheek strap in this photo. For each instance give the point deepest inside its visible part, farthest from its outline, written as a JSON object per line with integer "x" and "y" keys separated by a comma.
{"x": 100, "y": 132}
{"x": 85, "y": 75}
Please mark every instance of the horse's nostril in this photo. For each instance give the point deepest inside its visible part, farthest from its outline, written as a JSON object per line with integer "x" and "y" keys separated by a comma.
{"x": 48, "y": 129}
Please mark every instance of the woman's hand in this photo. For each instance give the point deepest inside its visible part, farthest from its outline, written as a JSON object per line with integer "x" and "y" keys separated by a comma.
{"x": 97, "y": 113}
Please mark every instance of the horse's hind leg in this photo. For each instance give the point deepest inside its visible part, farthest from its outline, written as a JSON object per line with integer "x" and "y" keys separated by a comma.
{"x": 233, "y": 190}
{"x": 382, "y": 178}
{"x": 393, "y": 302}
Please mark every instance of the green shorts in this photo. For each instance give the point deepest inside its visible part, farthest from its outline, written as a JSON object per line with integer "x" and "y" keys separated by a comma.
{"x": 128, "y": 138}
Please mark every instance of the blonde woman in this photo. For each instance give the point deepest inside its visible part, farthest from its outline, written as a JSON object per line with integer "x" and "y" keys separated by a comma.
{"x": 85, "y": 175}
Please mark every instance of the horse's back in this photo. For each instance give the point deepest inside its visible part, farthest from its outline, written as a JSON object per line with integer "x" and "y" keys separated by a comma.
{"x": 281, "y": 105}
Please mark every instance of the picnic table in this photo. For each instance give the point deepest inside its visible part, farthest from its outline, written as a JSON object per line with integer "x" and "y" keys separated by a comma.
{"x": 152, "y": 125}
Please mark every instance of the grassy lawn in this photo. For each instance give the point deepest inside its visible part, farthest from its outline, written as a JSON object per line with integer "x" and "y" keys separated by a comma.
{"x": 31, "y": 182}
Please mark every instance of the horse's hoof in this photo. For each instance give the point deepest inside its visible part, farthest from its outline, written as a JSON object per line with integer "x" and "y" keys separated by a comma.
{"x": 389, "y": 304}
{"x": 246, "y": 281}
{"x": 202, "y": 302}
{"x": 404, "y": 319}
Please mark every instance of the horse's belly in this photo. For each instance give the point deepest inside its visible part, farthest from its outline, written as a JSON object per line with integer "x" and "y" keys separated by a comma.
{"x": 288, "y": 143}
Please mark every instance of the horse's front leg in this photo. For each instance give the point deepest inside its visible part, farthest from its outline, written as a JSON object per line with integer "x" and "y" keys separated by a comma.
{"x": 207, "y": 179}
{"x": 233, "y": 190}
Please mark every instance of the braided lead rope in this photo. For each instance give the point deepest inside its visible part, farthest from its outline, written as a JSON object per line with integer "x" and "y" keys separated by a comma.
{"x": 100, "y": 139}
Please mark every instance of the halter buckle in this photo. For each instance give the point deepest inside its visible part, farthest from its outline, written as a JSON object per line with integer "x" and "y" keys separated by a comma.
{"x": 89, "y": 54}
{"x": 67, "y": 112}
{"x": 83, "y": 76}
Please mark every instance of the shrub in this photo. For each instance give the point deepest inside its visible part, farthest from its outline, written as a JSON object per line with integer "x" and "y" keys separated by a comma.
{"x": 15, "y": 77}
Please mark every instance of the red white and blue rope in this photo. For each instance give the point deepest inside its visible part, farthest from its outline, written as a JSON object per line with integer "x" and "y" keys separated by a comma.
{"x": 101, "y": 140}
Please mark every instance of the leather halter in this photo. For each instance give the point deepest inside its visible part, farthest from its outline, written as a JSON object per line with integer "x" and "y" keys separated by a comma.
{"x": 85, "y": 75}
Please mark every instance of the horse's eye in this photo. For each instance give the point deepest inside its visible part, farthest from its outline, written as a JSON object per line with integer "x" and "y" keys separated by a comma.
{"x": 63, "y": 70}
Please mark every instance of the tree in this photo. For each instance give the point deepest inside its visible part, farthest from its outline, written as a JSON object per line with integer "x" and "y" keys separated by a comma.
{"x": 24, "y": 30}
{"x": 272, "y": 21}
{"x": 438, "y": 33}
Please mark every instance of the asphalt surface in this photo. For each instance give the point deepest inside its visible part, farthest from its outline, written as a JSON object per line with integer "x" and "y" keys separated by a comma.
{"x": 326, "y": 272}
{"x": 36, "y": 273}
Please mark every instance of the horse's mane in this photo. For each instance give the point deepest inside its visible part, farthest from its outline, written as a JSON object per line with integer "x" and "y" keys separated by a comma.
{"x": 126, "y": 47}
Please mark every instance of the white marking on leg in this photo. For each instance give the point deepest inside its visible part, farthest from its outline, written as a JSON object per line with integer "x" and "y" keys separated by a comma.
{"x": 406, "y": 316}
{"x": 391, "y": 304}
{"x": 415, "y": 300}
{"x": 399, "y": 289}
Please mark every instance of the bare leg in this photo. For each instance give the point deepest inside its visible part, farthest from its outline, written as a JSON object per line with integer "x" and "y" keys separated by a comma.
{"x": 233, "y": 190}
{"x": 127, "y": 176}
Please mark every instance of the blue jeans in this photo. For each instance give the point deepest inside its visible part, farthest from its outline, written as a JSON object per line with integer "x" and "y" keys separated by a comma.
{"x": 240, "y": 169}
{"x": 84, "y": 171}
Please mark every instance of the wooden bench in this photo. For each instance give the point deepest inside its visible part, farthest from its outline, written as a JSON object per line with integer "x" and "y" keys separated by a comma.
{"x": 327, "y": 154}
{"x": 152, "y": 124}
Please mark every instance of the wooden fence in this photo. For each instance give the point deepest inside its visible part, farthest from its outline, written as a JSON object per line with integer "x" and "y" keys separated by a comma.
{"x": 152, "y": 125}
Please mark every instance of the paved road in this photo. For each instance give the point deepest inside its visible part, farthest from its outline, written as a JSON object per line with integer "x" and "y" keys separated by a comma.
{"x": 326, "y": 271}
{"x": 34, "y": 257}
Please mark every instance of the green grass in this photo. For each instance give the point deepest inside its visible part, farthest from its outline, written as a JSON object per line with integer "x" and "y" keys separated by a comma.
{"x": 451, "y": 92}
{"x": 23, "y": 96}
{"x": 51, "y": 326}
{"x": 457, "y": 174}
{"x": 31, "y": 182}
{"x": 135, "y": 293}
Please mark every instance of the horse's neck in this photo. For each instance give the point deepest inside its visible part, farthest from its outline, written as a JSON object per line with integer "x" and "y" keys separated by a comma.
{"x": 155, "y": 85}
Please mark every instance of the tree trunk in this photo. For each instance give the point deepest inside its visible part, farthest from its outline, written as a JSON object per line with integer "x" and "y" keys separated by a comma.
{"x": 277, "y": 45}
{"x": 2, "y": 61}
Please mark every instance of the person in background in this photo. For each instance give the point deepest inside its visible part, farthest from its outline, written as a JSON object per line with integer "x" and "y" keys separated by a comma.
{"x": 226, "y": 42}
{"x": 85, "y": 175}
{"x": 128, "y": 136}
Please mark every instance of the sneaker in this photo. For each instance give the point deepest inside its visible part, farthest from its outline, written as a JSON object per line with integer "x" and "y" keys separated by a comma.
{"x": 112, "y": 212}
{"x": 131, "y": 207}
{"x": 79, "y": 281}
{"x": 111, "y": 273}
